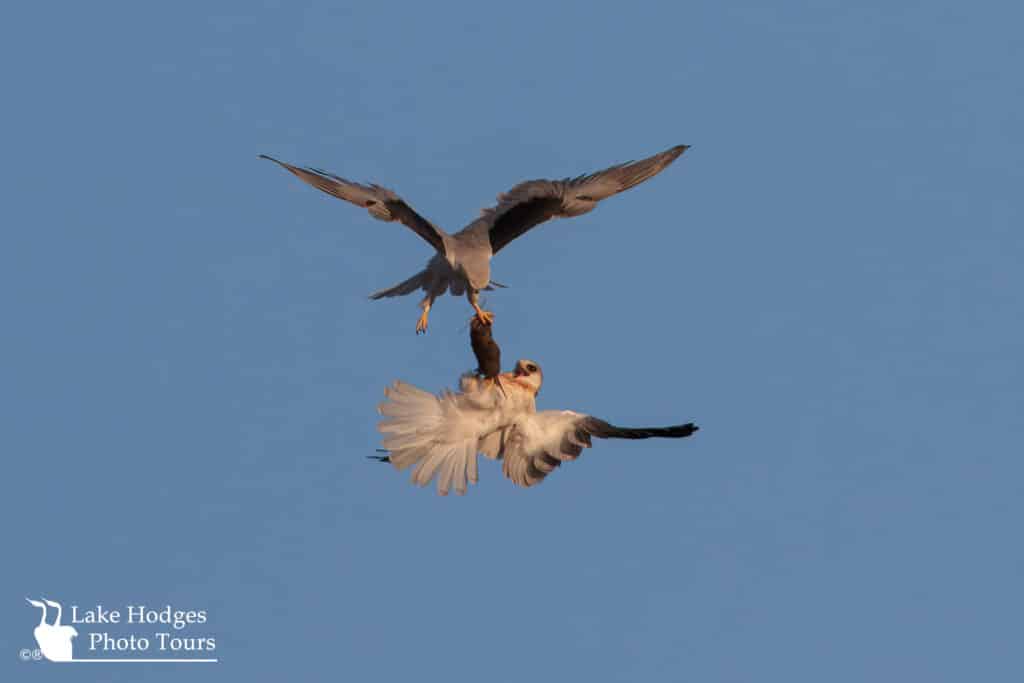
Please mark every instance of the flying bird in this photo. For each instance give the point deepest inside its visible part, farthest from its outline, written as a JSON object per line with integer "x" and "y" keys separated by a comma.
{"x": 462, "y": 262}
{"x": 440, "y": 435}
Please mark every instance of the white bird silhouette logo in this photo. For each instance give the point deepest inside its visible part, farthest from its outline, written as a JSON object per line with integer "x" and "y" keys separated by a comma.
{"x": 54, "y": 639}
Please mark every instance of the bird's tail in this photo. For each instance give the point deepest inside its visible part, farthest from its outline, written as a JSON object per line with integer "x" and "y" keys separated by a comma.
{"x": 402, "y": 288}
{"x": 417, "y": 431}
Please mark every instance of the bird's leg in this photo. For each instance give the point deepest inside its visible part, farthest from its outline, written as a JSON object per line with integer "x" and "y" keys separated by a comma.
{"x": 485, "y": 317}
{"x": 421, "y": 324}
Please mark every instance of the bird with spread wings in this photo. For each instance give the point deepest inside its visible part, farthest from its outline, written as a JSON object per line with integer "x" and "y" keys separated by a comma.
{"x": 494, "y": 414}
{"x": 462, "y": 262}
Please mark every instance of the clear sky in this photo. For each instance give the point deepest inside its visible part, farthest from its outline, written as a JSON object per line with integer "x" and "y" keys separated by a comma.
{"x": 829, "y": 283}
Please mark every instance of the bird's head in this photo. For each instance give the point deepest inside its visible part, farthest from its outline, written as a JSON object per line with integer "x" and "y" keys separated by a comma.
{"x": 528, "y": 372}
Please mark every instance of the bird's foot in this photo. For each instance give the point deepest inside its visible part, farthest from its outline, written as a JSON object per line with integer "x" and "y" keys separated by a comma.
{"x": 485, "y": 317}
{"x": 421, "y": 324}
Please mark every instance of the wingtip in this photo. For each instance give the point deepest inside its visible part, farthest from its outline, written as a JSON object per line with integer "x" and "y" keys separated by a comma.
{"x": 679, "y": 149}
{"x": 683, "y": 430}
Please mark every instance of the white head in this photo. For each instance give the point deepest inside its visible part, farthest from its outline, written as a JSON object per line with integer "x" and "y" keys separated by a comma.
{"x": 529, "y": 373}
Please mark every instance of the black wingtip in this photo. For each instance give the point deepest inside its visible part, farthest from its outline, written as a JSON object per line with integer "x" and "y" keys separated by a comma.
{"x": 379, "y": 458}
{"x": 603, "y": 430}
{"x": 679, "y": 149}
{"x": 675, "y": 431}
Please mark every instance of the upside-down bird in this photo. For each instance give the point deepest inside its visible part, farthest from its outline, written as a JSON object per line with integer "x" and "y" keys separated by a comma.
{"x": 462, "y": 264}
{"x": 441, "y": 435}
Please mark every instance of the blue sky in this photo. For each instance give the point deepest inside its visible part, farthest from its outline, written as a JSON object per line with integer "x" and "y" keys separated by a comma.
{"x": 829, "y": 283}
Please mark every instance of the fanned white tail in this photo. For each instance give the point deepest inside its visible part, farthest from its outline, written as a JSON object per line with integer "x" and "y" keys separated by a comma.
{"x": 433, "y": 434}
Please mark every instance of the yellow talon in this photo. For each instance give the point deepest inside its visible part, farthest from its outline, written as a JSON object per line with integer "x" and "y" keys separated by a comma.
{"x": 421, "y": 324}
{"x": 485, "y": 317}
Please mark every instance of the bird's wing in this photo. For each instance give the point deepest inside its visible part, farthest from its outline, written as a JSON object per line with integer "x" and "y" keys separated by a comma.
{"x": 540, "y": 442}
{"x": 381, "y": 202}
{"x": 440, "y": 435}
{"x": 533, "y": 202}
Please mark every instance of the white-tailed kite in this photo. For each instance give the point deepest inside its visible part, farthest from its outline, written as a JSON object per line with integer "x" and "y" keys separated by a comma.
{"x": 462, "y": 262}
{"x": 441, "y": 435}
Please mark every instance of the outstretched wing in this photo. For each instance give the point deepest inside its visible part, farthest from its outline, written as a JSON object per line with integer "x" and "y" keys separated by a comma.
{"x": 540, "y": 442}
{"x": 533, "y": 202}
{"x": 381, "y": 202}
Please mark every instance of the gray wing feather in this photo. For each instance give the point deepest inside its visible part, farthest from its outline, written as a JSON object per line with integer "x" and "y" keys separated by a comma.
{"x": 602, "y": 430}
{"x": 381, "y": 202}
{"x": 542, "y": 441}
{"x": 533, "y": 202}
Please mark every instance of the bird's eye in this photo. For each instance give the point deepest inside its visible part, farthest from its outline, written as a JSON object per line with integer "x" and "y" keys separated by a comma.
{"x": 531, "y": 368}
